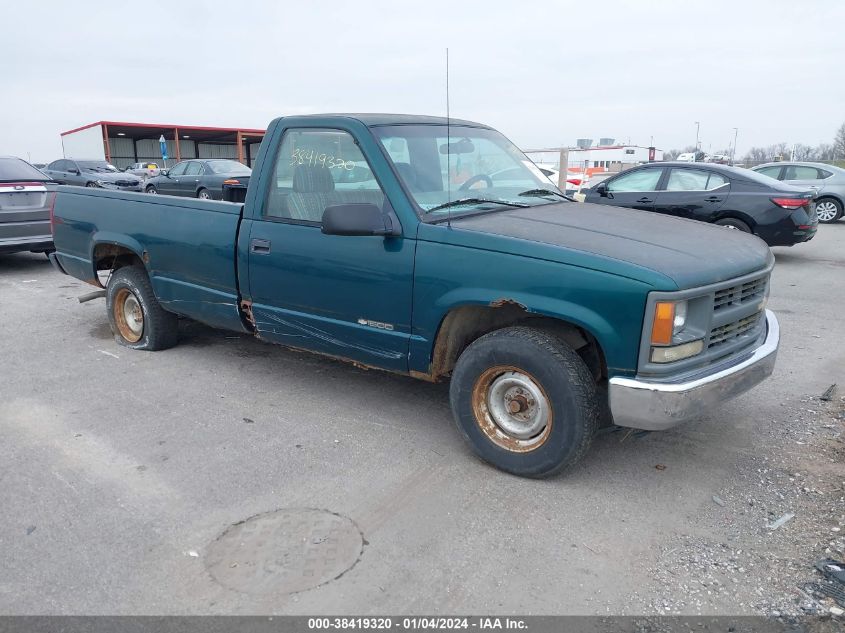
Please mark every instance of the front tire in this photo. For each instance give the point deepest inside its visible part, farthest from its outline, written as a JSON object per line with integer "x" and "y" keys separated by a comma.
{"x": 828, "y": 210}
{"x": 525, "y": 401}
{"x": 151, "y": 189}
{"x": 136, "y": 317}
{"x": 91, "y": 185}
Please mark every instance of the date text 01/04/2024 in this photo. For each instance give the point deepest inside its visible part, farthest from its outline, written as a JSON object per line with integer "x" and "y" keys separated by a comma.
{"x": 416, "y": 623}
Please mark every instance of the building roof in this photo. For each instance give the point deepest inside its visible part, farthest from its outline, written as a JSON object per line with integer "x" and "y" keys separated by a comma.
{"x": 154, "y": 130}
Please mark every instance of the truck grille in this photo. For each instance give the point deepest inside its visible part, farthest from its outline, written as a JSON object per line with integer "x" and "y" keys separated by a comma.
{"x": 743, "y": 293}
{"x": 728, "y": 332}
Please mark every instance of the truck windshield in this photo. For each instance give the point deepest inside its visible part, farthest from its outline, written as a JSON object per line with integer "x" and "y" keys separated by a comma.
{"x": 458, "y": 174}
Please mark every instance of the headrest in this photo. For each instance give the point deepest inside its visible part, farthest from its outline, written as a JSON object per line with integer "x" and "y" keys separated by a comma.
{"x": 312, "y": 179}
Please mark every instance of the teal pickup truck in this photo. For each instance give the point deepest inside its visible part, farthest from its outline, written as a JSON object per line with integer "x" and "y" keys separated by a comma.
{"x": 437, "y": 249}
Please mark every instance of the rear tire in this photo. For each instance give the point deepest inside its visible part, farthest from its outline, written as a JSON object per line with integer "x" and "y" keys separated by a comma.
{"x": 135, "y": 315}
{"x": 733, "y": 223}
{"x": 525, "y": 401}
{"x": 204, "y": 194}
{"x": 828, "y": 210}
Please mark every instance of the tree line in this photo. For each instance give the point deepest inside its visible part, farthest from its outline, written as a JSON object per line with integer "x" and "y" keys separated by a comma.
{"x": 782, "y": 151}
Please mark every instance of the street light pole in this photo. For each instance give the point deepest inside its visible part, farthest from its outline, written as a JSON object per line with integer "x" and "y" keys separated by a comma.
{"x": 695, "y": 153}
{"x": 733, "y": 150}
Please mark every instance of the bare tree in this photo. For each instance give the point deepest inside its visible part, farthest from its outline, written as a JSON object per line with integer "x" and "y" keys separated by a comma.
{"x": 757, "y": 155}
{"x": 804, "y": 152}
{"x": 839, "y": 142}
{"x": 824, "y": 151}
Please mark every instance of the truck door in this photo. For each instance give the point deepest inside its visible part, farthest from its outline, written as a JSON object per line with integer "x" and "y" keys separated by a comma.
{"x": 696, "y": 194}
{"x": 348, "y": 296}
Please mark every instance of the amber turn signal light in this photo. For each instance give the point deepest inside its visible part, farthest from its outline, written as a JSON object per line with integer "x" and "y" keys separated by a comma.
{"x": 664, "y": 323}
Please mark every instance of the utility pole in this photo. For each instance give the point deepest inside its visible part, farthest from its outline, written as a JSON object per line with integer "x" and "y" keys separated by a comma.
{"x": 695, "y": 154}
{"x": 733, "y": 150}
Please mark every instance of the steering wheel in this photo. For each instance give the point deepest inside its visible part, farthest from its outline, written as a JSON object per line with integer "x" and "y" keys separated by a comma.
{"x": 474, "y": 179}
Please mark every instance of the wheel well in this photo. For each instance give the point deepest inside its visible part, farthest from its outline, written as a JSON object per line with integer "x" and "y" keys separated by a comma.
{"x": 736, "y": 215}
{"x": 830, "y": 196}
{"x": 462, "y": 325}
{"x": 114, "y": 256}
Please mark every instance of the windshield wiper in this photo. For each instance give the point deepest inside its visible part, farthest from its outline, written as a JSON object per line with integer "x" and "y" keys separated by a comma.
{"x": 462, "y": 201}
{"x": 539, "y": 193}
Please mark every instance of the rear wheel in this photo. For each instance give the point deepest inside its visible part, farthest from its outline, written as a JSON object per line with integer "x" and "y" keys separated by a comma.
{"x": 135, "y": 315}
{"x": 525, "y": 401}
{"x": 828, "y": 210}
{"x": 733, "y": 223}
{"x": 204, "y": 194}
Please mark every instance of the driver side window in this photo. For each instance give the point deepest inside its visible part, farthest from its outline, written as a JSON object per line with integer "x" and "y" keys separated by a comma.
{"x": 179, "y": 169}
{"x": 640, "y": 180}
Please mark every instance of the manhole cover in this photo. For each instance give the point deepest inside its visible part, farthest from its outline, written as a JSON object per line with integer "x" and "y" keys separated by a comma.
{"x": 285, "y": 551}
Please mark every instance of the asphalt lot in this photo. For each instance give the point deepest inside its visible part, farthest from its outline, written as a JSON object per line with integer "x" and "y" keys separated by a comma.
{"x": 119, "y": 470}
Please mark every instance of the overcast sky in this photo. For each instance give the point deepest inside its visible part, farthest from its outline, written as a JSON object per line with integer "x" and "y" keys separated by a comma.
{"x": 543, "y": 73}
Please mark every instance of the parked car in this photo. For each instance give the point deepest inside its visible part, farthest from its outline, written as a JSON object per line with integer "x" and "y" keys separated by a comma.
{"x": 548, "y": 315}
{"x": 97, "y": 174}
{"x": 26, "y": 197}
{"x": 778, "y": 213}
{"x": 827, "y": 180}
{"x": 143, "y": 170}
{"x": 199, "y": 178}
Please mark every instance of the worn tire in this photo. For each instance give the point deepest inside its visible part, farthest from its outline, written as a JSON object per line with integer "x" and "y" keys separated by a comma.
{"x": 562, "y": 377}
{"x": 834, "y": 205}
{"x": 159, "y": 328}
{"x": 733, "y": 223}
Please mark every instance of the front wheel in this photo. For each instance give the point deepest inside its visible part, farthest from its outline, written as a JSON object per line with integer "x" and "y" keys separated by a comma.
{"x": 151, "y": 190}
{"x": 828, "y": 210}
{"x": 135, "y": 315}
{"x": 91, "y": 185}
{"x": 525, "y": 401}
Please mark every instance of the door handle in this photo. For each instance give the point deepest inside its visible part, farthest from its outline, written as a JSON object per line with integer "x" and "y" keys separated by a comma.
{"x": 644, "y": 199}
{"x": 712, "y": 199}
{"x": 259, "y": 246}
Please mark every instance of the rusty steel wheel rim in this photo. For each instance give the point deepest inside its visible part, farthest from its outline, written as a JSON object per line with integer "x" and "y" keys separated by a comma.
{"x": 512, "y": 409}
{"x": 128, "y": 315}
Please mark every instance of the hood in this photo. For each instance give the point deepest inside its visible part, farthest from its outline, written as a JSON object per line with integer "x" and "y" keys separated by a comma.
{"x": 688, "y": 252}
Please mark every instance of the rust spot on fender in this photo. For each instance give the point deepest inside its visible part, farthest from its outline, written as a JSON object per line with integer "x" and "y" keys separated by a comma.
{"x": 246, "y": 308}
{"x": 501, "y": 303}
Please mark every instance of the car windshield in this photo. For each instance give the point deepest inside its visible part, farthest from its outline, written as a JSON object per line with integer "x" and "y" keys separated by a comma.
{"x": 475, "y": 165}
{"x": 228, "y": 167}
{"x": 97, "y": 166}
{"x": 15, "y": 169}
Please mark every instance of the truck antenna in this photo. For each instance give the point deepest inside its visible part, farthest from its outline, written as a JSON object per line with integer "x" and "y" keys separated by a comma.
{"x": 448, "y": 149}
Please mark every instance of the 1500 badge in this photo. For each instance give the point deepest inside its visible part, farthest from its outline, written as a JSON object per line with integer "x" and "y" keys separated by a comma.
{"x": 376, "y": 324}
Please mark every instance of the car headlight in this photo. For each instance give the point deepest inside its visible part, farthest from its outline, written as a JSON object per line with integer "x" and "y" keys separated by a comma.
{"x": 670, "y": 319}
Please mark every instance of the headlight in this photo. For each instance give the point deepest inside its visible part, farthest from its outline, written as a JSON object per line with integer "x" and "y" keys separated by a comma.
{"x": 670, "y": 319}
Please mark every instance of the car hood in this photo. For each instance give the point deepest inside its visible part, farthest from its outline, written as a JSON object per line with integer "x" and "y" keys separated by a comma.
{"x": 688, "y": 252}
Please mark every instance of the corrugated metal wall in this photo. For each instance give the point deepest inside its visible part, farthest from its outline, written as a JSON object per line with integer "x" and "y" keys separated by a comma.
{"x": 123, "y": 154}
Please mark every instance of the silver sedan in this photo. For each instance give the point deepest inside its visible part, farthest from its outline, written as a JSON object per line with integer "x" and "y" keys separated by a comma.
{"x": 827, "y": 180}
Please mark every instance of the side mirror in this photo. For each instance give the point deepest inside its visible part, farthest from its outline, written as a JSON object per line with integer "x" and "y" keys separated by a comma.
{"x": 358, "y": 219}
{"x": 164, "y": 172}
{"x": 74, "y": 171}
{"x": 601, "y": 189}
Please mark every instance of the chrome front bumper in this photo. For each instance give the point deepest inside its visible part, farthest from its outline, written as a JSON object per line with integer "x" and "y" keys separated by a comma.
{"x": 656, "y": 406}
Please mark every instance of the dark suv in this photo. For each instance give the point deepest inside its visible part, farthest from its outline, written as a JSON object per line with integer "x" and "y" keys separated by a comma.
{"x": 780, "y": 214}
